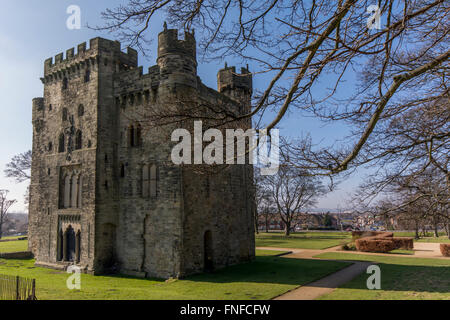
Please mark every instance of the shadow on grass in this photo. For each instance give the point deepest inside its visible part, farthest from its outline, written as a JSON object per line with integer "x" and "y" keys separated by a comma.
{"x": 396, "y": 277}
{"x": 264, "y": 269}
{"x": 277, "y": 270}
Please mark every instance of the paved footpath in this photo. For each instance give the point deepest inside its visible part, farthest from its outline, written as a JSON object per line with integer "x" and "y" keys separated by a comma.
{"x": 316, "y": 289}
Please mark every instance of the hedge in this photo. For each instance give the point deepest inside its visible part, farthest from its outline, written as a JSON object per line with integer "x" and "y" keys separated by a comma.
{"x": 445, "y": 249}
{"x": 380, "y": 241}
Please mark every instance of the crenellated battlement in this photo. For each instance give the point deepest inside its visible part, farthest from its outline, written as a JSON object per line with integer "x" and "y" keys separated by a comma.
{"x": 85, "y": 57}
{"x": 168, "y": 43}
{"x": 227, "y": 78}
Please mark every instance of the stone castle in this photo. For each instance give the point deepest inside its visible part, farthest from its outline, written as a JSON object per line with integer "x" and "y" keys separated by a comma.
{"x": 105, "y": 195}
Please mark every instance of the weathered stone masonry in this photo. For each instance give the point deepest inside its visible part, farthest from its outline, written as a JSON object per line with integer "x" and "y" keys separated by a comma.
{"x": 104, "y": 193}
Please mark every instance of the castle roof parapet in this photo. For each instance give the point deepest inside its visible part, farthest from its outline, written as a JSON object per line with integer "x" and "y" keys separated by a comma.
{"x": 97, "y": 46}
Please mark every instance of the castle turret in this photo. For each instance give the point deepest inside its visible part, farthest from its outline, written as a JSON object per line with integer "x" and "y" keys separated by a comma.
{"x": 234, "y": 85}
{"x": 177, "y": 58}
{"x": 38, "y": 109}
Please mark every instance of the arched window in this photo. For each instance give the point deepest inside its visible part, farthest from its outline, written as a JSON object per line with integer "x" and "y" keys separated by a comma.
{"x": 80, "y": 110}
{"x": 131, "y": 136}
{"x": 65, "y": 83}
{"x": 61, "y": 146}
{"x": 87, "y": 75}
{"x": 64, "y": 114}
{"x": 78, "y": 140}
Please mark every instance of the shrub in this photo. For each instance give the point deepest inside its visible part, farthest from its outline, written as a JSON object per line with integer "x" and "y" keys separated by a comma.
{"x": 403, "y": 243}
{"x": 374, "y": 245}
{"x": 349, "y": 247}
{"x": 383, "y": 242}
{"x": 445, "y": 249}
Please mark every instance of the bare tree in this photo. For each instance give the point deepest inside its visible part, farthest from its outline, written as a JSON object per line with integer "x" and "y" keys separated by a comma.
{"x": 298, "y": 44}
{"x": 292, "y": 191}
{"x": 5, "y": 204}
{"x": 19, "y": 168}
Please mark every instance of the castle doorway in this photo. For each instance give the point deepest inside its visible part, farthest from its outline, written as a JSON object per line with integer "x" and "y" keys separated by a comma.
{"x": 70, "y": 238}
{"x": 208, "y": 251}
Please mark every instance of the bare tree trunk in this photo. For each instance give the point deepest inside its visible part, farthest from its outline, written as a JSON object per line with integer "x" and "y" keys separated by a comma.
{"x": 436, "y": 227}
{"x": 287, "y": 230}
{"x": 417, "y": 230}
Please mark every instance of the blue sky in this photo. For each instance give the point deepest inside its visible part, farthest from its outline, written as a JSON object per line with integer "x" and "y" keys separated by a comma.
{"x": 32, "y": 31}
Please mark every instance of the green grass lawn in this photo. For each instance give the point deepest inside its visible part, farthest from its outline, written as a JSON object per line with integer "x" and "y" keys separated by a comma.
{"x": 13, "y": 246}
{"x": 302, "y": 240}
{"x": 11, "y": 237}
{"x": 264, "y": 278}
{"x": 401, "y": 279}
{"x": 443, "y": 238}
{"x": 270, "y": 252}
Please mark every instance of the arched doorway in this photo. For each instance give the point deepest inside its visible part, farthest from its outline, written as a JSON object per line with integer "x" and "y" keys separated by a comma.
{"x": 208, "y": 251}
{"x": 70, "y": 248}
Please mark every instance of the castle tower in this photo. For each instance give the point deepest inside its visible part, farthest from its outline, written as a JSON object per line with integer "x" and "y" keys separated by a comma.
{"x": 234, "y": 85}
{"x": 105, "y": 194}
{"x": 177, "y": 58}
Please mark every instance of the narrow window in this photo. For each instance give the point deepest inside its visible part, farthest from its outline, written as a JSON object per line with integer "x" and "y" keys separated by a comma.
{"x": 87, "y": 75}
{"x": 50, "y": 107}
{"x": 122, "y": 170}
{"x": 78, "y": 140}
{"x": 131, "y": 136}
{"x": 145, "y": 182}
{"x": 50, "y": 146}
{"x": 80, "y": 190}
{"x": 74, "y": 192}
{"x": 67, "y": 190}
{"x": 64, "y": 114}
{"x": 80, "y": 110}
{"x": 153, "y": 181}
{"x": 138, "y": 138}
{"x": 61, "y": 147}
{"x": 64, "y": 83}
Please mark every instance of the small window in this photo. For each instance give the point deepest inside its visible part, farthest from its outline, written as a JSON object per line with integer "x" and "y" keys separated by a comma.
{"x": 122, "y": 170}
{"x": 80, "y": 110}
{"x": 64, "y": 114}
{"x": 65, "y": 84}
{"x": 50, "y": 107}
{"x": 50, "y": 146}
